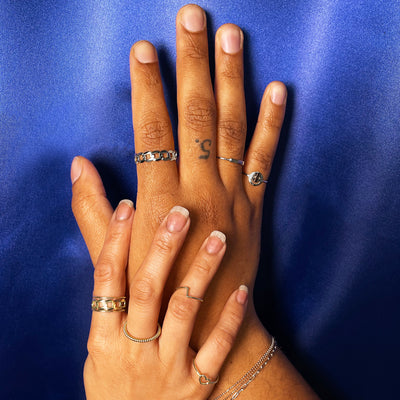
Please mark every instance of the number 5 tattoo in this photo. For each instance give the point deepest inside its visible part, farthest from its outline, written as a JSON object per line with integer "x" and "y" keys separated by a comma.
{"x": 205, "y": 146}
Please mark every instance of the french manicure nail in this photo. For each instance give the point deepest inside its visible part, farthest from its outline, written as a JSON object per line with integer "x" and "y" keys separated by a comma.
{"x": 242, "y": 294}
{"x": 124, "y": 210}
{"x": 145, "y": 52}
{"x": 215, "y": 242}
{"x": 76, "y": 169}
{"x": 231, "y": 40}
{"x": 177, "y": 219}
{"x": 193, "y": 18}
{"x": 278, "y": 95}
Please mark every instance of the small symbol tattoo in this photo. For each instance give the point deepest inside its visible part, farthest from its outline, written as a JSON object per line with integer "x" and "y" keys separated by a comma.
{"x": 205, "y": 143}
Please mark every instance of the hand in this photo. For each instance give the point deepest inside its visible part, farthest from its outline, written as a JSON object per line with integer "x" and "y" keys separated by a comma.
{"x": 211, "y": 124}
{"x": 119, "y": 368}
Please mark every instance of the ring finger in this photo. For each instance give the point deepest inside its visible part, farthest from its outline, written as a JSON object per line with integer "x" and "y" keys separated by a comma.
{"x": 148, "y": 284}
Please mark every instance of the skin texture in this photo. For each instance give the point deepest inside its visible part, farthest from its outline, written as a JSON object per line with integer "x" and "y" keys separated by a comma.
{"x": 212, "y": 122}
{"x": 149, "y": 370}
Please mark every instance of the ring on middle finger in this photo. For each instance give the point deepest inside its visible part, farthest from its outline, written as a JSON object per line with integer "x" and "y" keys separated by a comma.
{"x": 187, "y": 293}
{"x": 156, "y": 155}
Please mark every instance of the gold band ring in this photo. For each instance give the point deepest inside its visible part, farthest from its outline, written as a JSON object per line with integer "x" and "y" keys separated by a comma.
{"x": 138, "y": 340}
{"x": 108, "y": 304}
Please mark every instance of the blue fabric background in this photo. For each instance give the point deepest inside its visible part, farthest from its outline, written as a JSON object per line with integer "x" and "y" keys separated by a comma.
{"x": 328, "y": 284}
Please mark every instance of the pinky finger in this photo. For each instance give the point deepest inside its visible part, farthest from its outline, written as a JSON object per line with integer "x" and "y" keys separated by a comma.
{"x": 212, "y": 355}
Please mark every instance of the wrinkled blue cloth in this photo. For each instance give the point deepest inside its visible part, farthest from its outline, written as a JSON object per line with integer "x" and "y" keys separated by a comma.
{"x": 328, "y": 285}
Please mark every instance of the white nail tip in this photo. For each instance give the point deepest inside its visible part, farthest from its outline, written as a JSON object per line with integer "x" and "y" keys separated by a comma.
{"x": 127, "y": 202}
{"x": 219, "y": 235}
{"x": 181, "y": 210}
{"x": 244, "y": 288}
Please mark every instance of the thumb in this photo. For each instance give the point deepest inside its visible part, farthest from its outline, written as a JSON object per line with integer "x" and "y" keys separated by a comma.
{"x": 90, "y": 206}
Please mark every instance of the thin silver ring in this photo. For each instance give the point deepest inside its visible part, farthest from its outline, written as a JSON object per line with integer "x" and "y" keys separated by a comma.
{"x": 232, "y": 160}
{"x": 187, "y": 293}
{"x": 138, "y": 340}
{"x": 255, "y": 178}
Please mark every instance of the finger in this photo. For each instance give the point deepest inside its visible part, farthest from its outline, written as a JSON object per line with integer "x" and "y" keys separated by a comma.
{"x": 212, "y": 354}
{"x": 151, "y": 121}
{"x": 182, "y": 308}
{"x": 148, "y": 284}
{"x": 90, "y": 205}
{"x": 263, "y": 145}
{"x": 231, "y": 107}
{"x": 195, "y": 97}
{"x": 109, "y": 273}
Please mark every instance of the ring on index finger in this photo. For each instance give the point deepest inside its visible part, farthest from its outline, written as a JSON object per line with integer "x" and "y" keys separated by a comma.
{"x": 156, "y": 155}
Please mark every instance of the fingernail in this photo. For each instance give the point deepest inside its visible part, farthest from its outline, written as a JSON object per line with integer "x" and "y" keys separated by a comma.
{"x": 242, "y": 294}
{"x": 76, "y": 169}
{"x": 193, "y": 18}
{"x": 215, "y": 242}
{"x": 145, "y": 52}
{"x": 278, "y": 95}
{"x": 124, "y": 210}
{"x": 177, "y": 219}
{"x": 231, "y": 40}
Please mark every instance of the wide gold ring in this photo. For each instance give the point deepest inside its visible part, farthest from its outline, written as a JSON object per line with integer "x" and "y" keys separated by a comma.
{"x": 108, "y": 304}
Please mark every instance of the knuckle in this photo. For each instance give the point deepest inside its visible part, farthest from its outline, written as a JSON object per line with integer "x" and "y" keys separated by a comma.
{"x": 142, "y": 292}
{"x": 104, "y": 271}
{"x": 224, "y": 340}
{"x": 232, "y": 131}
{"x": 163, "y": 244}
{"x": 199, "y": 113}
{"x": 153, "y": 130}
{"x": 192, "y": 49}
{"x": 181, "y": 307}
{"x": 231, "y": 71}
{"x": 97, "y": 345}
{"x": 202, "y": 267}
{"x": 263, "y": 158}
{"x": 147, "y": 76}
{"x": 271, "y": 122}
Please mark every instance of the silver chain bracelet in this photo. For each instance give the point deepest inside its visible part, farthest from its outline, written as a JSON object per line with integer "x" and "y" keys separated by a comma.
{"x": 250, "y": 375}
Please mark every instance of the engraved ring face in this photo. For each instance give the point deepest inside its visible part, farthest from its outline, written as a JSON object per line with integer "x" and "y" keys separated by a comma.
{"x": 256, "y": 178}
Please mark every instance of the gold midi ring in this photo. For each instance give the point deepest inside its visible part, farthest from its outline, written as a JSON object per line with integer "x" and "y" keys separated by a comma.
{"x": 108, "y": 304}
{"x": 187, "y": 293}
{"x": 203, "y": 379}
{"x": 138, "y": 340}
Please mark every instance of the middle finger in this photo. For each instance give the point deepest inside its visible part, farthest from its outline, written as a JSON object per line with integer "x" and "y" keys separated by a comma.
{"x": 195, "y": 97}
